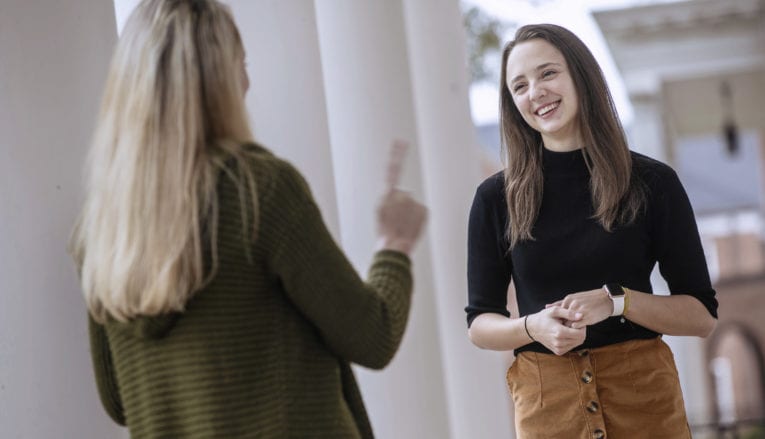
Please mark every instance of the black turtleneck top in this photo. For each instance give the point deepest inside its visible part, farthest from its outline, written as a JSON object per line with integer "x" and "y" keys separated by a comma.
{"x": 571, "y": 252}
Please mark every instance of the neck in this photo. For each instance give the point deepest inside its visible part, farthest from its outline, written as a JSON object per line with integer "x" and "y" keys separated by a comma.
{"x": 561, "y": 147}
{"x": 562, "y": 143}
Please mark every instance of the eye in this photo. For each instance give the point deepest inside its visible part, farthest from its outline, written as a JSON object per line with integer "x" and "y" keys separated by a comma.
{"x": 548, "y": 73}
{"x": 518, "y": 87}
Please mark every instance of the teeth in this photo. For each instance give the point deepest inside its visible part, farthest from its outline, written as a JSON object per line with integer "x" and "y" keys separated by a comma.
{"x": 547, "y": 108}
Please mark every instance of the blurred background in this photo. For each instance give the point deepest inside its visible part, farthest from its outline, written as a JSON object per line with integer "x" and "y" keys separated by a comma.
{"x": 333, "y": 83}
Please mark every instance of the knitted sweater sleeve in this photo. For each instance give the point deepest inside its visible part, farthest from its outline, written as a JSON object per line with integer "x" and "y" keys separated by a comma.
{"x": 103, "y": 367}
{"x": 362, "y": 322}
{"x": 677, "y": 243}
{"x": 489, "y": 266}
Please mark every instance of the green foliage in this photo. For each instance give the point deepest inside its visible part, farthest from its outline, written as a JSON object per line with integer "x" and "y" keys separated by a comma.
{"x": 484, "y": 43}
{"x": 754, "y": 433}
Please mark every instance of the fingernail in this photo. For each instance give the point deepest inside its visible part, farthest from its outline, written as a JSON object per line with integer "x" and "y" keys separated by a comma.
{"x": 578, "y": 315}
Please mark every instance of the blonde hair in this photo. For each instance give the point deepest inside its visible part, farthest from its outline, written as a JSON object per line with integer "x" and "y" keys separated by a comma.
{"x": 172, "y": 119}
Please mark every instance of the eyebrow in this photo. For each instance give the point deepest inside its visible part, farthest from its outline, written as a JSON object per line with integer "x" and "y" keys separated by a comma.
{"x": 540, "y": 67}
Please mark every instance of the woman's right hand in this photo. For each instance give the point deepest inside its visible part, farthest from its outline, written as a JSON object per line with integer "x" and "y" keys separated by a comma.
{"x": 400, "y": 221}
{"x": 548, "y": 327}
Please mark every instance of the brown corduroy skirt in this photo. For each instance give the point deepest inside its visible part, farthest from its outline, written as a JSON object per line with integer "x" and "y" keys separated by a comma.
{"x": 628, "y": 390}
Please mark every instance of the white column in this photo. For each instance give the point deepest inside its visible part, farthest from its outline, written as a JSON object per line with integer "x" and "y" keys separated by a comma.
{"x": 369, "y": 102}
{"x": 286, "y": 98}
{"x": 647, "y": 131}
{"x": 122, "y": 10}
{"x": 693, "y": 370}
{"x": 690, "y": 359}
{"x": 54, "y": 62}
{"x": 479, "y": 403}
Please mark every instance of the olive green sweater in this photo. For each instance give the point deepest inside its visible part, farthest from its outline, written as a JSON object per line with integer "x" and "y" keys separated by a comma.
{"x": 264, "y": 350}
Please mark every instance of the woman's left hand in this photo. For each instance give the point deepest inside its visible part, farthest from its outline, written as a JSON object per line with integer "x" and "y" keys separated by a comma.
{"x": 594, "y": 305}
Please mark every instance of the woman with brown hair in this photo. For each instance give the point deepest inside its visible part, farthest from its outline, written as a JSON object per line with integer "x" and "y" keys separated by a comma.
{"x": 577, "y": 221}
{"x": 219, "y": 304}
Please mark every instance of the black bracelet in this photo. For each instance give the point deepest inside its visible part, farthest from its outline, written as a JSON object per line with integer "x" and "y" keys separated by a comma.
{"x": 526, "y": 327}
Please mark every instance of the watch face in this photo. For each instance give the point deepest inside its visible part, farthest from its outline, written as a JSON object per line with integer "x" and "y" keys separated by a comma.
{"x": 614, "y": 289}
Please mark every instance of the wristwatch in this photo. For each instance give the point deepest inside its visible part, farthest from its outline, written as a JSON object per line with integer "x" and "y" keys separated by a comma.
{"x": 616, "y": 293}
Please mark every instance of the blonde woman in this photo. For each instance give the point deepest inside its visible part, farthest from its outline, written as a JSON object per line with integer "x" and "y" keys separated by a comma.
{"x": 578, "y": 222}
{"x": 219, "y": 304}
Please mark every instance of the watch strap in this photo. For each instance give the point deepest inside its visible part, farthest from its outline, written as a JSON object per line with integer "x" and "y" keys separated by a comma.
{"x": 618, "y": 305}
{"x": 616, "y": 293}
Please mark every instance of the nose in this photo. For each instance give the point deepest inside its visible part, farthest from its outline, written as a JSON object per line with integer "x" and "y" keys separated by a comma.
{"x": 537, "y": 91}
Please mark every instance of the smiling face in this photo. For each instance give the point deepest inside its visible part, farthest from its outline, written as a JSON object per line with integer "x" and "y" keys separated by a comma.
{"x": 543, "y": 91}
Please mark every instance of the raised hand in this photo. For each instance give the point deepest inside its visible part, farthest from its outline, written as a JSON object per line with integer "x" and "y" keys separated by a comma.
{"x": 400, "y": 218}
{"x": 395, "y": 163}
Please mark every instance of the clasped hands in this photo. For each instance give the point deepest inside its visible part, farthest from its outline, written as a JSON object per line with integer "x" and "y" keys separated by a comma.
{"x": 562, "y": 325}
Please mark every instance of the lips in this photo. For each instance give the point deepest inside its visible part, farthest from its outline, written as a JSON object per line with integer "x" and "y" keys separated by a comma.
{"x": 546, "y": 109}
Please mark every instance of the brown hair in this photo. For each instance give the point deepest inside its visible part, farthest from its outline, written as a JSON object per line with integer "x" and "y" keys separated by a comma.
{"x": 616, "y": 195}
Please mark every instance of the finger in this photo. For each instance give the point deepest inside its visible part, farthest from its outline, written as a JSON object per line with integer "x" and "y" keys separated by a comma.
{"x": 556, "y": 303}
{"x": 565, "y": 335}
{"x": 567, "y": 301}
{"x": 396, "y": 163}
{"x": 582, "y": 324}
{"x": 564, "y": 329}
{"x": 574, "y": 333}
{"x": 566, "y": 314}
